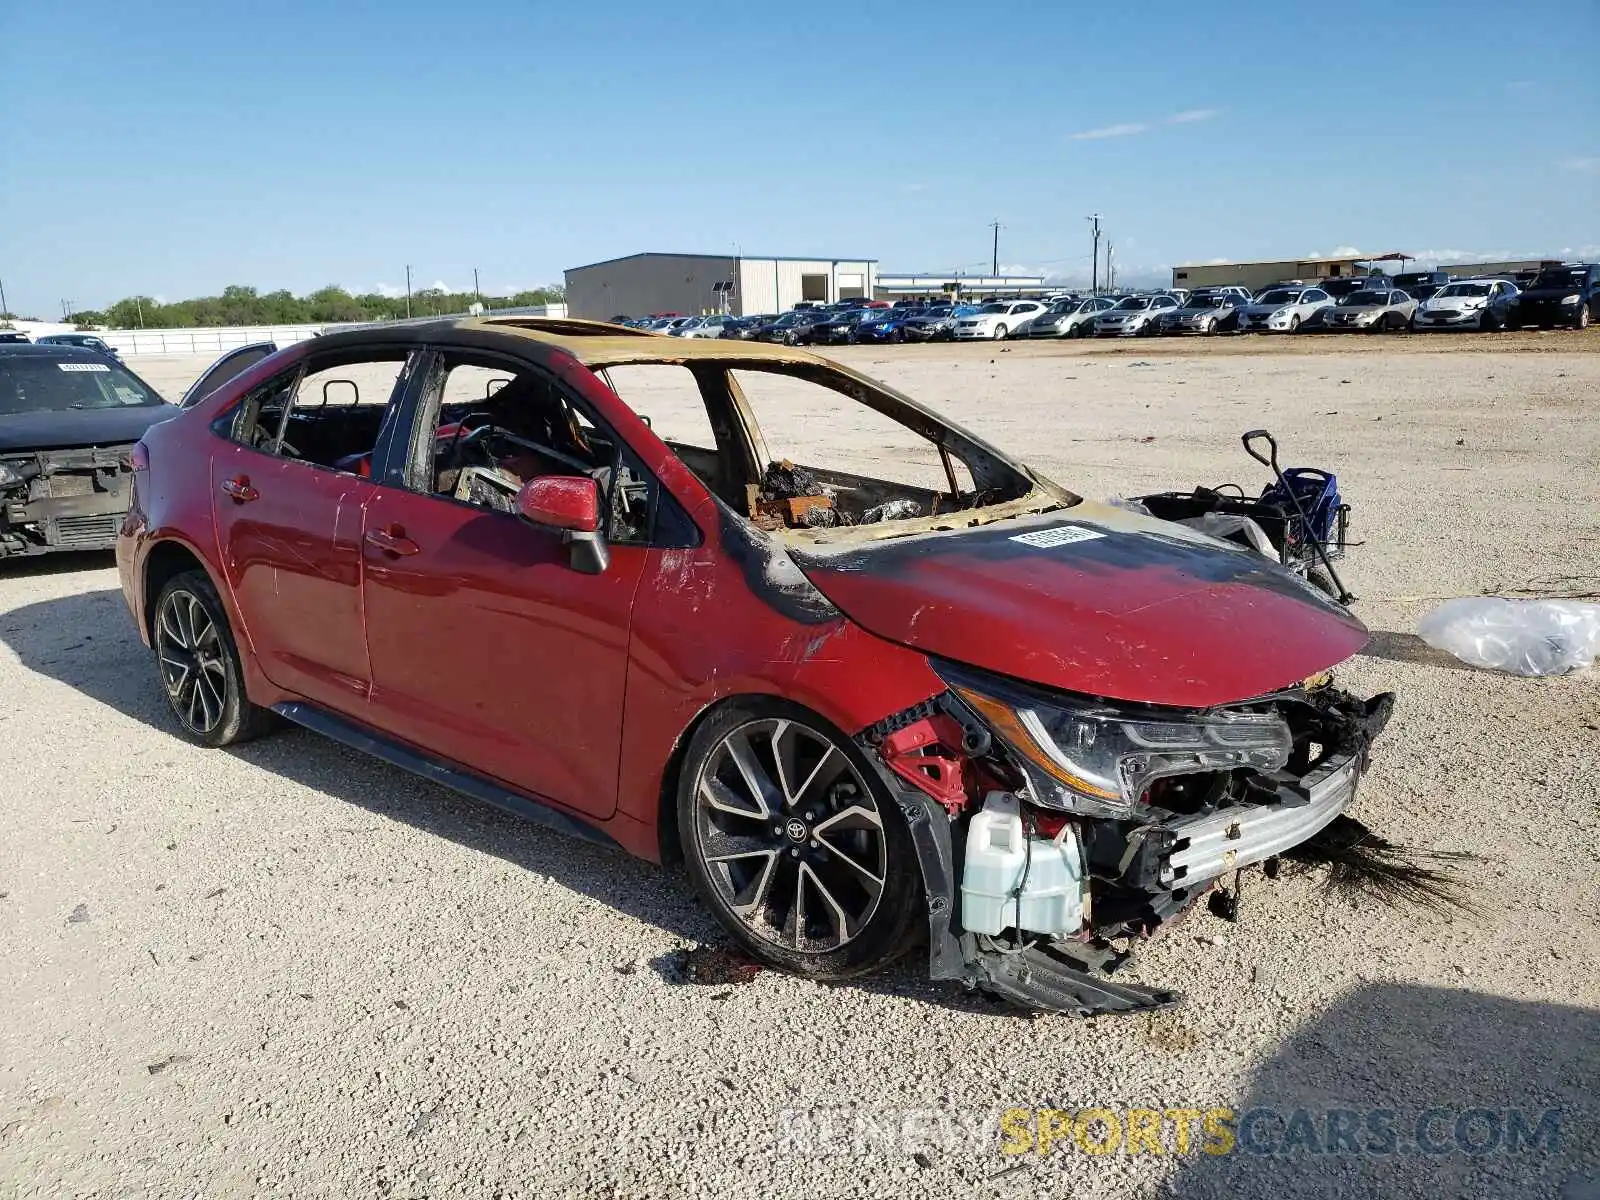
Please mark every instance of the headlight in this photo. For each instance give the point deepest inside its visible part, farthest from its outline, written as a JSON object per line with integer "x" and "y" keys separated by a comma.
{"x": 9, "y": 476}
{"x": 1099, "y": 762}
{"x": 1570, "y": 299}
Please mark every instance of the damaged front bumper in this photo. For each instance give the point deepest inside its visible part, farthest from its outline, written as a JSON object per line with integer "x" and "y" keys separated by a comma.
{"x": 1242, "y": 835}
{"x": 72, "y": 499}
{"x": 1138, "y": 875}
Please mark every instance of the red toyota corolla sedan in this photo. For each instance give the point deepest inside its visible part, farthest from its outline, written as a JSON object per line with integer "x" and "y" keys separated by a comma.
{"x": 938, "y": 700}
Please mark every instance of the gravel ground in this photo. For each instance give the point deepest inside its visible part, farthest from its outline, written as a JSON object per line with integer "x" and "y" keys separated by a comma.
{"x": 287, "y": 970}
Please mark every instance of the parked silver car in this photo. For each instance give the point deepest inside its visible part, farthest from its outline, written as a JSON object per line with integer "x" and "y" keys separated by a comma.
{"x": 1482, "y": 303}
{"x": 1206, "y": 312}
{"x": 1070, "y": 318}
{"x": 705, "y": 327}
{"x": 1134, "y": 316}
{"x": 1283, "y": 309}
{"x": 1376, "y": 310}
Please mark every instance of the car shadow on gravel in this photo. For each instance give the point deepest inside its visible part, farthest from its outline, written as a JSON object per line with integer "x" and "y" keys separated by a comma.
{"x": 88, "y": 642}
{"x": 1409, "y": 648}
{"x": 59, "y": 563}
{"x": 1402, "y": 1090}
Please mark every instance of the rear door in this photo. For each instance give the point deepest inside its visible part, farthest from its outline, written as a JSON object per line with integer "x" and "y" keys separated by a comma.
{"x": 289, "y": 493}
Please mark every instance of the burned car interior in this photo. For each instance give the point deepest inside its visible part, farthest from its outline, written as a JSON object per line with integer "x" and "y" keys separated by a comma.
{"x": 790, "y": 488}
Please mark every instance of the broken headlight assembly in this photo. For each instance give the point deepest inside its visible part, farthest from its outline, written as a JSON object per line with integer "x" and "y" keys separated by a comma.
{"x": 1098, "y": 760}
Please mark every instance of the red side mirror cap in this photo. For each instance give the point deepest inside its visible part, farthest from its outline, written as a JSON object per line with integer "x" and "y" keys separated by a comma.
{"x": 570, "y": 502}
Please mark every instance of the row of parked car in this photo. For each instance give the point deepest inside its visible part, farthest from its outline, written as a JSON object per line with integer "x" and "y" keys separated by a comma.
{"x": 1567, "y": 295}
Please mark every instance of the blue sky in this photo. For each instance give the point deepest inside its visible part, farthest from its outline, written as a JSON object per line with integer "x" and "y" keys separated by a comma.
{"x": 174, "y": 148}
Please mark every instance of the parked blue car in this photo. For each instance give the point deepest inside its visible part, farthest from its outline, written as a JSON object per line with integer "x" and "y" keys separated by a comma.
{"x": 885, "y": 325}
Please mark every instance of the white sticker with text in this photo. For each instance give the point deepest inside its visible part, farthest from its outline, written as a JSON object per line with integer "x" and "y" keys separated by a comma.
{"x": 1060, "y": 535}
{"x": 83, "y": 367}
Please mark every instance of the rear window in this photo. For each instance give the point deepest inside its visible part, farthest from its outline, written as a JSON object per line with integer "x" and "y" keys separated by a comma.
{"x": 1562, "y": 277}
{"x": 29, "y": 384}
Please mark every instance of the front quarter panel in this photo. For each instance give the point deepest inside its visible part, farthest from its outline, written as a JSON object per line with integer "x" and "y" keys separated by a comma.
{"x": 734, "y": 617}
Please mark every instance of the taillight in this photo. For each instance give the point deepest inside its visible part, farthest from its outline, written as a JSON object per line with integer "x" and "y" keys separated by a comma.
{"x": 138, "y": 458}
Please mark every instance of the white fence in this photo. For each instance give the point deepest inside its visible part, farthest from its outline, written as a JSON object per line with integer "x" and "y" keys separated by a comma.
{"x": 134, "y": 342}
{"x": 129, "y": 342}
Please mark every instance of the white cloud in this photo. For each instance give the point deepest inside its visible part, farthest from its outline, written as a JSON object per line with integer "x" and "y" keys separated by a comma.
{"x": 389, "y": 290}
{"x": 1110, "y": 131}
{"x": 1129, "y": 128}
{"x": 1590, "y": 164}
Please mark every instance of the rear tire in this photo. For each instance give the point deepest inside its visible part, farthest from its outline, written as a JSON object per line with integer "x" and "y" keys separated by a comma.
{"x": 795, "y": 843}
{"x": 199, "y": 666}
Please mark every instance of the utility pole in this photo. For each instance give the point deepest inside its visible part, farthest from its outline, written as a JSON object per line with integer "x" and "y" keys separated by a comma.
{"x": 476, "y": 294}
{"x": 994, "y": 263}
{"x": 3, "y": 309}
{"x": 1094, "y": 256}
{"x": 408, "y": 291}
{"x": 1111, "y": 265}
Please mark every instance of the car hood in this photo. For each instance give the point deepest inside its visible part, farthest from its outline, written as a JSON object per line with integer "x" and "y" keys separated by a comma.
{"x": 1266, "y": 310}
{"x": 78, "y": 427}
{"x": 1549, "y": 293}
{"x": 1447, "y": 302}
{"x": 1093, "y": 600}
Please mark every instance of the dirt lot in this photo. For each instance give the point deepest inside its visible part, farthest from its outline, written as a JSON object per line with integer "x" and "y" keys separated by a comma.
{"x": 289, "y": 971}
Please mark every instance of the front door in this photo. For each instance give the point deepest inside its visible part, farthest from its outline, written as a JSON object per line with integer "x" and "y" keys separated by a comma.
{"x": 288, "y": 494}
{"x": 486, "y": 646}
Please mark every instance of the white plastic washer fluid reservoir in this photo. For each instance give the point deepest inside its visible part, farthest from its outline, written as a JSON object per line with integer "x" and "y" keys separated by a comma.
{"x": 1011, "y": 880}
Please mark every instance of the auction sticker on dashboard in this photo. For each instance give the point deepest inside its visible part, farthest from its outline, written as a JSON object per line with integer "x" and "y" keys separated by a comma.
{"x": 1060, "y": 535}
{"x": 83, "y": 367}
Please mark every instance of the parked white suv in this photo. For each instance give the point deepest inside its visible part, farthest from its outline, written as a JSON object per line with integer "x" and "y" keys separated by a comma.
{"x": 999, "y": 319}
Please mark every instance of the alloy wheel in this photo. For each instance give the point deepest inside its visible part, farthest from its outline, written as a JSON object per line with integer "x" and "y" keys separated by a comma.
{"x": 790, "y": 835}
{"x": 193, "y": 667}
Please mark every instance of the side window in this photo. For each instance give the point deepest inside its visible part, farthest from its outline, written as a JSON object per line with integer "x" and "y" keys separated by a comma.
{"x": 825, "y": 442}
{"x": 327, "y": 414}
{"x": 489, "y": 426}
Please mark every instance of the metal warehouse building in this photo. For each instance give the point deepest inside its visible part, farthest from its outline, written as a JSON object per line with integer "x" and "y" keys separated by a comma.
{"x": 692, "y": 283}
{"x": 1255, "y": 275}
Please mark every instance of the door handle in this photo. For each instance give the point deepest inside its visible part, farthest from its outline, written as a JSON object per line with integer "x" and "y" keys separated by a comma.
{"x": 240, "y": 490}
{"x": 392, "y": 540}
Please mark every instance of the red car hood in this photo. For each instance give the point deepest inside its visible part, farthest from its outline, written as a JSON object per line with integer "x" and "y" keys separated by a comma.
{"x": 1094, "y": 600}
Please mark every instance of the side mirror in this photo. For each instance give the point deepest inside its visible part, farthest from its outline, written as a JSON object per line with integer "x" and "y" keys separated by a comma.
{"x": 569, "y": 504}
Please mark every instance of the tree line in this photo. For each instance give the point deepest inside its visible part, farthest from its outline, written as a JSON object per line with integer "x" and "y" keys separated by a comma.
{"x": 240, "y": 305}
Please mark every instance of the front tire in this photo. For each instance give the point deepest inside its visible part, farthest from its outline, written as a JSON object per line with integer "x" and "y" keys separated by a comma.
{"x": 198, "y": 661}
{"x": 1294, "y": 324}
{"x": 794, "y": 842}
{"x": 1583, "y": 317}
